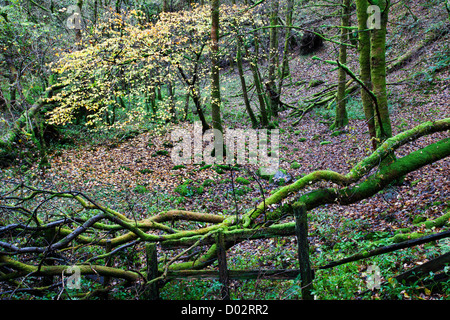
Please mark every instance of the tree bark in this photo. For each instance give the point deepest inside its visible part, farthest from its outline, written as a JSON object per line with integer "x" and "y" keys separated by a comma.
{"x": 357, "y": 172}
{"x": 26, "y": 269}
{"x": 13, "y": 77}
{"x": 222, "y": 262}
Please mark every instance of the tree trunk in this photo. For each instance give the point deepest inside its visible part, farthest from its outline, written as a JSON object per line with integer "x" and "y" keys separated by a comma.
{"x": 118, "y": 3}
{"x": 3, "y": 102}
{"x": 285, "y": 61}
{"x": 243, "y": 84}
{"x": 273, "y": 59}
{"x": 194, "y": 92}
{"x": 13, "y": 77}
{"x": 259, "y": 89}
{"x": 165, "y": 6}
{"x": 6, "y": 141}
{"x": 219, "y": 147}
{"x": 78, "y": 36}
{"x": 341, "y": 118}
{"x": 222, "y": 262}
{"x": 378, "y": 74}
{"x": 447, "y": 7}
{"x": 171, "y": 97}
{"x": 301, "y": 230}
{"x": 256, "y": 78}
{"x": 365, "y": 69}
{"x": 186, "y": 105}
{"x": 95, "y": 12}
{"x": 360, "y": 183}
{"x": 198, "y": 107}
{"x": 215, "y": 72}
{"x": 362, "y": 168}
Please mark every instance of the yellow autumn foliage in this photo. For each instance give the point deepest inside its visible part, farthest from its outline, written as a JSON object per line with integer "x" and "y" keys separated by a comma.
{"x": 125, "y": 59}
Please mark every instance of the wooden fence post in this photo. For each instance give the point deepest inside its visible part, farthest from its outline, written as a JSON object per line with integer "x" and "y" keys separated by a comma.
{"x": 223, "y": 270}
{"x": 108, "y": 263}
{"x": 301, "y": 230}
{"x": 152, "y": 291}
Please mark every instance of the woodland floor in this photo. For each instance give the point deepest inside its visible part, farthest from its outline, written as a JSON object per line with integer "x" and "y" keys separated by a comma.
{"x": 117, "y": 172}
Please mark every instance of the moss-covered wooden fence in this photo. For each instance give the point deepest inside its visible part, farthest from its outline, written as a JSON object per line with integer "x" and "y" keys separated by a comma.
{"x": 224, "y": 274}
{"x": 305, "y": 272}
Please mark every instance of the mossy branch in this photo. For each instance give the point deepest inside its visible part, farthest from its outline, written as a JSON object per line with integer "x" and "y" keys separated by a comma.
{"x": 23, "y": 269}
{"x": 356, "y": 173}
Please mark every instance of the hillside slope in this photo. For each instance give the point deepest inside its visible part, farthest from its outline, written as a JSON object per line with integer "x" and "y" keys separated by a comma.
{"x": 134, "y": 177}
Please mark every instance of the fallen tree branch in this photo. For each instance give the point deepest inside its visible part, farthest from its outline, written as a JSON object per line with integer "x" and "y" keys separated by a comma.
{"x": 19, "y": 238}
{"x": 357, "y": 172}
{"x": 23, "y": 269}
